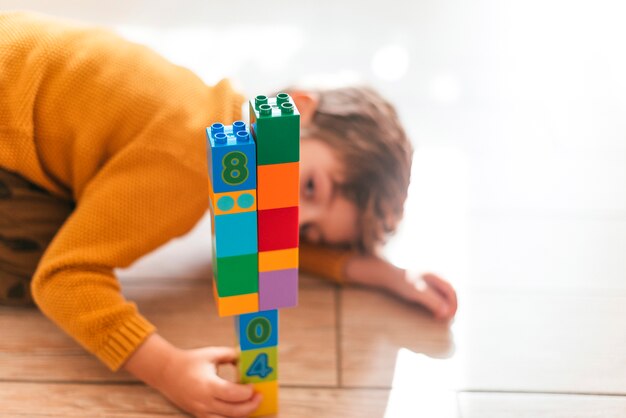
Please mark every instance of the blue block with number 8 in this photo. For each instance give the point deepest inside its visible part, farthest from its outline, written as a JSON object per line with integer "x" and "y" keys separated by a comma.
{"x": 257, "y": 330}
{"x": 231, "y": 157}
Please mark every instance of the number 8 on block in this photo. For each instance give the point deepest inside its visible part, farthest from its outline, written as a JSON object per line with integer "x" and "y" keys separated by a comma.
{"x": 232, "y": 158}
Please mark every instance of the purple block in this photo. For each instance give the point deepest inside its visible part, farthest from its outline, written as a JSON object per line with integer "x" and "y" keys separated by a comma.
{"x": 278, "y": 289}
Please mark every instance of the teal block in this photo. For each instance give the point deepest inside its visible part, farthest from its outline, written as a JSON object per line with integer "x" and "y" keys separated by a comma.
{"x": 275, "y": 126}
{"x": 231, "y": 155}
{"x": 238, "y": 275}
{"x": 235, "y": 234}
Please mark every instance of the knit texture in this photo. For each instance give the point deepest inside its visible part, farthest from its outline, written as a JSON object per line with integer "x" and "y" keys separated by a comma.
{"x": 114, "y": 127}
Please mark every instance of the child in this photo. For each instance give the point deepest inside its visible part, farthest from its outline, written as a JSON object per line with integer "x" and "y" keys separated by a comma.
{"x": 102, "y": 160}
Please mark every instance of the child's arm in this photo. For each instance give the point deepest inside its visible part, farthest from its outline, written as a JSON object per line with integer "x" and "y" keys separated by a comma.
{"x": 189, "y": 378}
{"x": 344, "y": 266}
{"x": 427, "y": 289}
{"x": 119, "y": 130}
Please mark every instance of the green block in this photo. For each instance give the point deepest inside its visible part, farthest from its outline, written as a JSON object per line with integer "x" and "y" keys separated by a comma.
{"x": 236, "y": 275}
{"x": 275, "y": 125}
{"x": 260, "y": 365}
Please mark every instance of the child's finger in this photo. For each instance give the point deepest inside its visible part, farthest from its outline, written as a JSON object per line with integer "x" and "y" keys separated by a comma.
{"x": 229, "y": 391}
{"x": 223, "y": 354}
{"x": 441, "y": 285}
{"x": 434, "y": 302}
{"x": 446, "y": 291}
{"x": 445, "y": 288}
{"x": 241, "y": 409}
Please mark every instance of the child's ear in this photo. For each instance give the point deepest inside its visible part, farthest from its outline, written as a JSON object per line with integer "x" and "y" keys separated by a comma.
{"x": 306, "y": 102}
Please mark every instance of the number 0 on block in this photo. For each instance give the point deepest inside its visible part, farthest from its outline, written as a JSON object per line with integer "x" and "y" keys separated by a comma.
{"x": 257, "y": 330}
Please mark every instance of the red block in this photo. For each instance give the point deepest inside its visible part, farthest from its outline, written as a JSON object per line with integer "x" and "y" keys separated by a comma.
{"x": 278, "y": 228}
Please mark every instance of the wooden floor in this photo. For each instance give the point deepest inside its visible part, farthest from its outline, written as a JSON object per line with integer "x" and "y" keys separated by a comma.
{"x": 511, "y": 352}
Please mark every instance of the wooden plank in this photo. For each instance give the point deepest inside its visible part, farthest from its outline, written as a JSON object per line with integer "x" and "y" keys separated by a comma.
{"x": 501, "y": 341}
{"x": 308, "y": 338}
{"x": 32, "y": 348}
{"x": 76, "y": 400}
{"x": 118, "y": 401}
{"x": 123, "y": 400}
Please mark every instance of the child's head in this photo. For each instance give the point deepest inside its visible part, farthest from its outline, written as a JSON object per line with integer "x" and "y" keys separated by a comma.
{"x": 355, "y": 166}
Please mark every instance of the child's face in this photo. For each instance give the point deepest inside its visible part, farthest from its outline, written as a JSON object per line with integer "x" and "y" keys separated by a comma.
{"x": 326, "y": 216}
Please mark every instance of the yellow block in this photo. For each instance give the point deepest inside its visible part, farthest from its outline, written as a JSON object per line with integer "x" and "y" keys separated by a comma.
{"x": 278, "y": 259}
{"x": 232, "y": 202}
{"x": 269, "y": 404}
{"x": 236, "y": 305}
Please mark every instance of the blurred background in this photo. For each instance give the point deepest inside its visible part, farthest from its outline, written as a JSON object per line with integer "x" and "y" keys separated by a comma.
{"x": 518, "y": 193}
{"x": 516, "y": 109}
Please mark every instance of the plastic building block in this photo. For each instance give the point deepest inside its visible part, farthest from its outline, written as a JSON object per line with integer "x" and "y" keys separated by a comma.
{"x": 275, "y": 126}
{"x": 278, "y": 260}
{"x": 254, "y": 203}
{"x": 235, "y": 234}
{"x": 278, "y": 185}
{"x": 278, "y": 289}
{"x": 235, "y": 305}
{"x": 259, "y": 365}
{"x": 231, "y": 157}
{"x": 232, "y": 202}
{"x": 278, "y": 228}
{"x": 257, "y": 330}
{"x": 269, "y": 404}
{"x": 236, "y": 275}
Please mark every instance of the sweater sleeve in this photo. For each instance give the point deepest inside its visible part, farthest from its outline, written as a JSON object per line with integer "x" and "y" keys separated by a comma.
{"x": 323, "y": 261}
{"x": 125, "y": 212}
{"x": 117, "y": 128}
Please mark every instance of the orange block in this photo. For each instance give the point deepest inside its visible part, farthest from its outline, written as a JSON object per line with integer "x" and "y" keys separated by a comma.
{"x": 235, "y": 305}
{"x": 269, "y": 404}
{"x": 278, "y": 185}
{"x": 278, "y": 259}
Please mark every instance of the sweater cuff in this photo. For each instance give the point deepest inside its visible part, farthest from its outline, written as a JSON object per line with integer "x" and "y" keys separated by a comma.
{"x": 124, "y": 341}
{"x": 327, "y": 262}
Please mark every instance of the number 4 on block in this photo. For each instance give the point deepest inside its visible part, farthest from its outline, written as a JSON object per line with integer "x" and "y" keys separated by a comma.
{"x": 259, "y": 365}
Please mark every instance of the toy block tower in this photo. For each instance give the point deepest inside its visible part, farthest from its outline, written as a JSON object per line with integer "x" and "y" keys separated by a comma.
{"x": 232, "y": 200}
{"x": 275, "y": 124}
{"x": 254, "y": 198}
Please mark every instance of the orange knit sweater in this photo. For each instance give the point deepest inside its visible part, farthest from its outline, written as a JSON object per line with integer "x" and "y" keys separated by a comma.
{"x": 119, "y": 130}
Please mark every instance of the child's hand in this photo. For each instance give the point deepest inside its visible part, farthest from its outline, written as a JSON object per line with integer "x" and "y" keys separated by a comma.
{"x": 190, "y": 381}
{"x": 431, "y": 291}
{"x": 189, "y": 378}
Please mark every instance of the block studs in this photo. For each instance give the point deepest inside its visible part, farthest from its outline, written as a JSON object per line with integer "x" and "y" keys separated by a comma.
{"x": 217, "y": 127}
{"x": 265, "y": 110}
{"x": 260, "y": 100}
{"x": 286, "y": 108}
{"x": 239, "y": 126}
{"x": 282, "y": 98}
